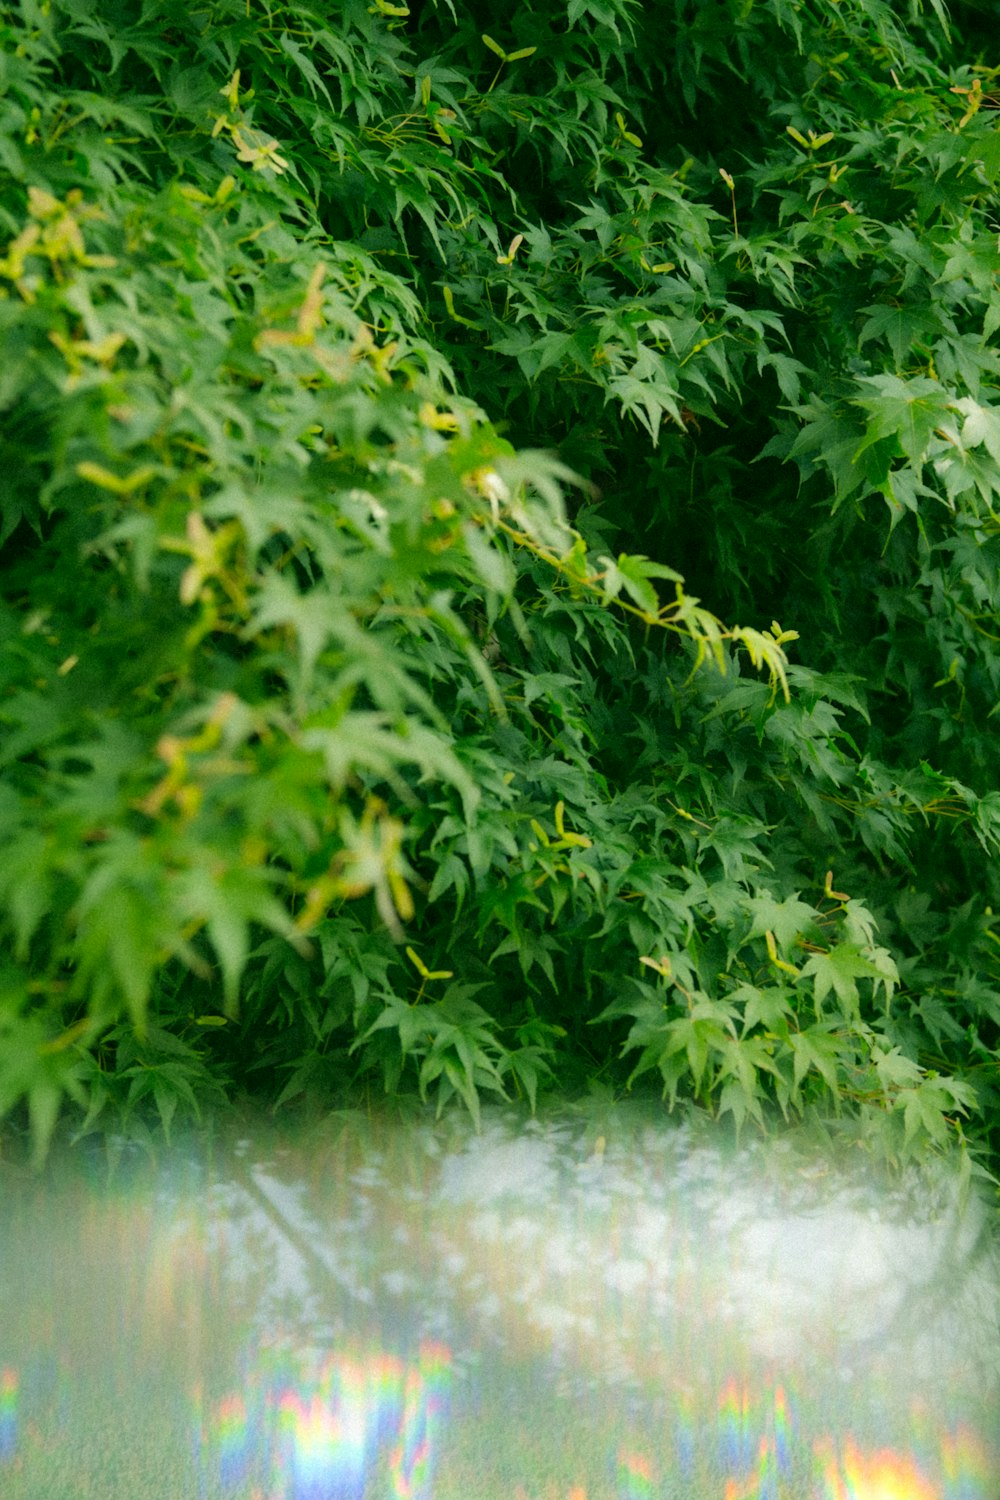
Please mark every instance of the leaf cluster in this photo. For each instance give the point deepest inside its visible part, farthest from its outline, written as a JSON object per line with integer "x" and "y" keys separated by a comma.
{"x": 398, "y": 412}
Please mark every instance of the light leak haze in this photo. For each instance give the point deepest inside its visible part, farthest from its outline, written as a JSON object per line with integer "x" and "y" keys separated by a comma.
{"x": 550, "y": 1310}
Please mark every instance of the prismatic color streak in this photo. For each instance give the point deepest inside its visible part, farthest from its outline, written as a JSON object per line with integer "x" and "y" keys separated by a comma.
{"x": 753, "y": 1441}
{"x": 635, "y": 1477}
{"x": 233, "y": 1439}
{"x": 967, "y": 1469}
{"x": 330, "y": 1433}
{"x": 849, "y": 1474}
{"x": 8, "y": 1414}
{"x": 424, "y": 1411}
{"x": 322, "y": 1435}
{"x": 306, "y": 1431}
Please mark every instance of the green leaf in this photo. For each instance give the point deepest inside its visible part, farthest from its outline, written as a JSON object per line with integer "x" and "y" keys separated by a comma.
{"x": 901, "y": 326}
{"x": 816, "y": 1049}
{"x": 770, "y": 1008}
{"x": 632, "y": 574}
{"x": 894, "y": 1070}
{"x": 788, "y": 919}
{"x": 494, "y": 570}
{"x": 905, "y": 410}
{"x": 926, "y": 1107}
{"x": 981, "y": 426}
{"x": 306, "y": 66}
{"x": 227, "y": 902}
{"x": 840, "y": 969}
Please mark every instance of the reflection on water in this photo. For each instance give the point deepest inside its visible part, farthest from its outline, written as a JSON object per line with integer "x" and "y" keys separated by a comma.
{"x": 537, "y": 1313}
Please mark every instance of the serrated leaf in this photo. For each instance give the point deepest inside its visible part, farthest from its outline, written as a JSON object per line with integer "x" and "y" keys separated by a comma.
{"x": 818, "y": 1050}
{"x": 894, "y": 1070}
{"x": 787, "y": 919}
{"x": 906, "y": 410}
{"x": 839, "y": 970}
{"x": 494, "y": 568}
{"x": 926, "y": 1107}
{"x": 981, "y": 426}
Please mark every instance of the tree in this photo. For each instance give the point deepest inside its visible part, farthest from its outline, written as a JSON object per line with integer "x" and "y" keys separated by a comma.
{"x": 382, "y": 396}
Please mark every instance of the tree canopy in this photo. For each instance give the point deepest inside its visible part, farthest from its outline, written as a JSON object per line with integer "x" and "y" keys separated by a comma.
{"x": 498, "y": 559}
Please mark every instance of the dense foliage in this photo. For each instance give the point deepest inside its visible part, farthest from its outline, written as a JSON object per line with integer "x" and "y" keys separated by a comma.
{"x": 414, "y": 428}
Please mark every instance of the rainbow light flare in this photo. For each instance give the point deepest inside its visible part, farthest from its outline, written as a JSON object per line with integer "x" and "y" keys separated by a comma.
{"x": 328, "y": 1448}
{"x": 8, "y": 1413}
{"x": 326, "y": 1431}
{"x": 685, "y": 1443}
{"x": 782, "y": 1430}
{"x": 323, "y": 1434}
{"x": 967, "y": 1468}
{"x": 635, "y": 1477}
{"x": 331, "y": 1432}
{"x": 424, "y": 1408}
{"x": 370, "y": 1427}
{"x": 234, "y": 1440}
{"x": 882, "y": 1475}
{"x": 753, "y": 1438}
{"x": 736, "y": 1425}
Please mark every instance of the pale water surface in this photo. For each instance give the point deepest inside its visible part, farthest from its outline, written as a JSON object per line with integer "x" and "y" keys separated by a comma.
{"x": 551, "y": 1310}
